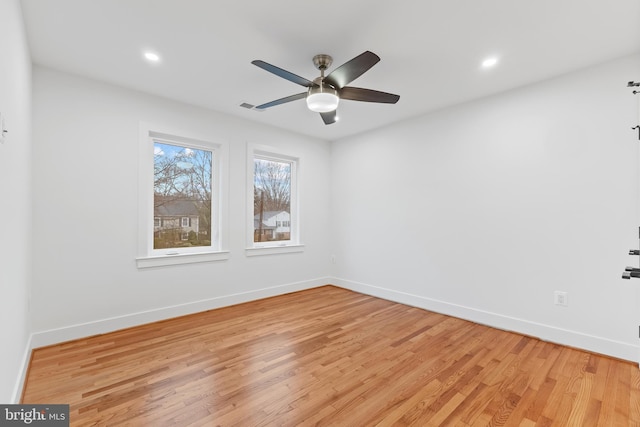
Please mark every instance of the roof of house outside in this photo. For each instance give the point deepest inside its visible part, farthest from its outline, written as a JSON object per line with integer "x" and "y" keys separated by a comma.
{"x": 176, "y": 208}
{"x": 268, "y": 214}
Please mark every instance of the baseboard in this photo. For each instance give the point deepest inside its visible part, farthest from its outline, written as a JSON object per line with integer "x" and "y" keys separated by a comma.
{"x": 617, "y": 349}
{"x": 550, "y": 333}
{"x": 55, "y": 336}
{"x": 22, "y": 373}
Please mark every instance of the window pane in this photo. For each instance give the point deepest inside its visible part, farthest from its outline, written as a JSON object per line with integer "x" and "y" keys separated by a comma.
{"x": 182, "y": 196}
{"x": 271, "y": 200}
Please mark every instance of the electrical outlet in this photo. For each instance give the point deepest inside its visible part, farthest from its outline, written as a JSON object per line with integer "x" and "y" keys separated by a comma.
{"x": 561, "y": 298}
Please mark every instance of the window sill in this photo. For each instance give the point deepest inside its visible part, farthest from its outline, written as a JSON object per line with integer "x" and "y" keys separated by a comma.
{"x": 272, "y": 250}
{"x": 165, "y": 260}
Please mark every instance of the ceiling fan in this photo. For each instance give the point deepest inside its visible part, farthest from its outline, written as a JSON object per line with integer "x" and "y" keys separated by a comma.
{"x": 324, "y": 93}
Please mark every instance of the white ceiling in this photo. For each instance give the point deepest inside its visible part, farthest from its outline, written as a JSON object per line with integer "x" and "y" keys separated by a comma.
{"x": 431, "y": 50}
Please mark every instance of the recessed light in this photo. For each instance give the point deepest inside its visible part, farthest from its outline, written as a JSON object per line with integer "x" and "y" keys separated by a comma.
{"x": 489, "y": 62}
{"x": 152, "y": 57}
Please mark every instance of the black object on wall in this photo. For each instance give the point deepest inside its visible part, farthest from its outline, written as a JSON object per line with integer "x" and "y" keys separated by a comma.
{"x": 630, "y": 272}
{"x": 635, "y": 92}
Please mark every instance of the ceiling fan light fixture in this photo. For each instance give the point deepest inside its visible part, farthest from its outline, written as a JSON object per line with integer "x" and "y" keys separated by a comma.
{"x": 322, "y": 99}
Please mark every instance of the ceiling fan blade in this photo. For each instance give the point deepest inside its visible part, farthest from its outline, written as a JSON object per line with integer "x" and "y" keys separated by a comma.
{"x": 330, "y": 117}
{"x": 283, "y": 73}
{"x": 368, "y": 95}
{"x": 351, "y": 70}
{"x": 282, "y": 100}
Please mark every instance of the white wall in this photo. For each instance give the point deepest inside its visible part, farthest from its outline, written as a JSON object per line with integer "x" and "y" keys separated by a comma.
{"x": 485, "y": 209}
{"x": 15, "y": 199}
{"x": 480, "y": 211}
{"x": 85, "y": 212}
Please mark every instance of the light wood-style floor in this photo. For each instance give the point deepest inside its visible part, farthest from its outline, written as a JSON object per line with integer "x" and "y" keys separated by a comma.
{"x": 328, "y": 356}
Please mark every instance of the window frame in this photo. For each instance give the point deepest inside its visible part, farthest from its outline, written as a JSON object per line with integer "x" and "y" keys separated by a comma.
{"x": 147, "y": 255}
{"x": 294, "y": 244}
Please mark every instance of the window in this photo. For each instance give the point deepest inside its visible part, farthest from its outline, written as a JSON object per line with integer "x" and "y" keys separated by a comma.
{"x": 180, "y": 200}
{"x": 273, "y": 210}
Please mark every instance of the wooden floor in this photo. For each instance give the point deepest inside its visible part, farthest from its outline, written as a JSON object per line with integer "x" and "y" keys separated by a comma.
{"x": 328, "y": 356}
